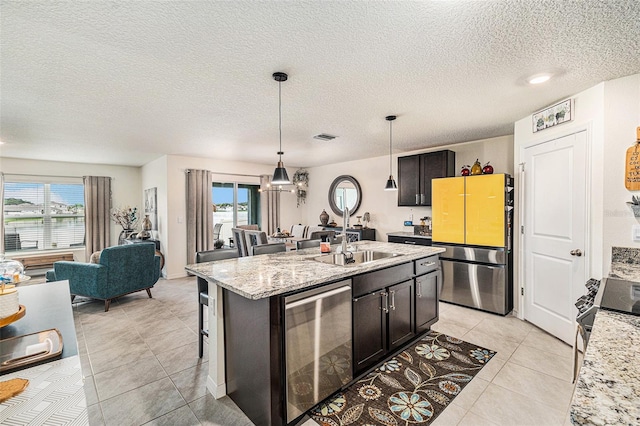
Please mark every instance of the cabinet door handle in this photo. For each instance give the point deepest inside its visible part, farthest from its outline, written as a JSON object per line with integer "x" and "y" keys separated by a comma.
{"x": 419, "y": 289}
{"x": 409, "y": 242}
{"x": 385, "y": 303}
{"x": 428, "y": 264}
{"x": 423, "y": 199}
{"x": 393, "y": 300}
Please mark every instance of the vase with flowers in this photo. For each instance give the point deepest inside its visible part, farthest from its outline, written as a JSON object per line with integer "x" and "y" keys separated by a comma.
{"x": 126, "y": 217}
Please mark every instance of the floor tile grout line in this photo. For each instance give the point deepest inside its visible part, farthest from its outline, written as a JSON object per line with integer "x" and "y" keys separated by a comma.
{"x": 519, "y": 394}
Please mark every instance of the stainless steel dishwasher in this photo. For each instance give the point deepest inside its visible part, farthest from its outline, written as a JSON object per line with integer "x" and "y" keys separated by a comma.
{"x": 318, "y": 348}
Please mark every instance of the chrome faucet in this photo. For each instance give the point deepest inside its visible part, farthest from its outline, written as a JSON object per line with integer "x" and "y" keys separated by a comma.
{"x": 345, "y": 222}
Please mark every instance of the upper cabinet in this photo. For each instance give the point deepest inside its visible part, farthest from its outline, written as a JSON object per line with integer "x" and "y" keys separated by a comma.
{"x": 415, "y": 173}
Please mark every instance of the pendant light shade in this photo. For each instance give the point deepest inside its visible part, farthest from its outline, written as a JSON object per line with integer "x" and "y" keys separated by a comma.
{"x": 280, "y": 176}
{"x": 391, "y": 183}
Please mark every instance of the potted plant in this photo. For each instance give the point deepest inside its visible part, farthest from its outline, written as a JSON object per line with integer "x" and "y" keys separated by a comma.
{"x": 126, "y": 217}
{"x": 635, "y": 205}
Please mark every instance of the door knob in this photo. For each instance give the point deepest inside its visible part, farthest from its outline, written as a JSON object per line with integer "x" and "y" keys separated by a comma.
{"x": 576, "y": 252}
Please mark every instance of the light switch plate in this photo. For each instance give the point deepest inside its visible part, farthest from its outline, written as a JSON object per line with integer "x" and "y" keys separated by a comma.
{"x": 635, "y": 233}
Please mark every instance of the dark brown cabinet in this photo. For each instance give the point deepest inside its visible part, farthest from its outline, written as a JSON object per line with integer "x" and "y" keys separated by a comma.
{"x": 416, "y": 241}
{"x": 415, "y": 173}
{"x": 383, "y": 313}
{"x": 401, "y": 327}
{"x": 426, "y": 295}
{"x": 369, "y": 329}
{"x": 428, "y": 281}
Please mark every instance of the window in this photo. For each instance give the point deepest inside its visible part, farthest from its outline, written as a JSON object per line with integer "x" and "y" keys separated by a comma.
{"x": 43, "y": 215}
{"x": 235, "y": 204}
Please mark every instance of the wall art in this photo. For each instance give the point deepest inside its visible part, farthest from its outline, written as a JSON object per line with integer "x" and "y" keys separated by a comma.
{"x": 559, "y": 113}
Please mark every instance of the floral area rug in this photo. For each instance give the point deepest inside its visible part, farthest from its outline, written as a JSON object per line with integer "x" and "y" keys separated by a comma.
{"x": 413, "y": 387}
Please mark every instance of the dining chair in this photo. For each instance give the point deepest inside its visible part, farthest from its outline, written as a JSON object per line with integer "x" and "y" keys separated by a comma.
{"x": 203, "y": 288}
{"x": 216, "y": 231}
{"x": 268, "y": 249}
{"x": 239, "y": 241}
{"x": 298, "y": 231}
{"x": 303, "y": 244}
{"x": 254, "y": 238}
{"x": 317, "y": 235}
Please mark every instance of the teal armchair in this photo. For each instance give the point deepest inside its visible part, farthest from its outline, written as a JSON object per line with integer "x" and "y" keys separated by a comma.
{"x": 122, "y": 270}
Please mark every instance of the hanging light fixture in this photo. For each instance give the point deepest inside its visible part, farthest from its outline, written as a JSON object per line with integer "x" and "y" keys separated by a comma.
{"x": 280, "y": 176}
{"x": 391, "y": 183}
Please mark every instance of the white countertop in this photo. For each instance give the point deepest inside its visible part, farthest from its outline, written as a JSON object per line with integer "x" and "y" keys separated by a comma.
{"x": 259, "y": 277}
{"x": 608, "y": 388}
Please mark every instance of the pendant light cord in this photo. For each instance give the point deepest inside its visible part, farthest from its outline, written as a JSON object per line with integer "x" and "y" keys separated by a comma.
{"x": 280, "y": 117}
{"x": 390, "y": 139}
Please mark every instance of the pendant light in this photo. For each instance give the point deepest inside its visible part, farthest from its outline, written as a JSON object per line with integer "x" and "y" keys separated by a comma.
{"x": 391, "y": 183}
{"x": 280, "y": 176}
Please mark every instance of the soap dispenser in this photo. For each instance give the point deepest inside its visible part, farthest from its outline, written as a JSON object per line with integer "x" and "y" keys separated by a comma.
{"x": 325, "y": 245}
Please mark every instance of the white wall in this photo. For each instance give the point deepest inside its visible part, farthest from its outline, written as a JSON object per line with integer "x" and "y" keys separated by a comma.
{"x": 372, "y": 174}
{"x": 125, "y": 185}
{"x": 588, "y": 116}
{"x": 621, "y": 117}
{"x": 154, "y": 175}
{"x": 610, "y": 112}
{"x": 175, "y": 240}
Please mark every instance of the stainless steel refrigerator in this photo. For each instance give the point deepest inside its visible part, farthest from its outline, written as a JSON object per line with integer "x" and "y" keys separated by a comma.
{"x": 472, "y": 219}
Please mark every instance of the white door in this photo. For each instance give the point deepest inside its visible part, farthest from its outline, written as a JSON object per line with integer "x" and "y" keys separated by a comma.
{"x": 555, "y": 213}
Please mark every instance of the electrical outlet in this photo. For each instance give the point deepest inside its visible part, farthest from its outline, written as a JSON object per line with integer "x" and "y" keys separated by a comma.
{"x": 635, "y": 233}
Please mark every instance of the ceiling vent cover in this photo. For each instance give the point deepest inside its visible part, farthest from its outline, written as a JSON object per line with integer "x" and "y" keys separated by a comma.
{"x": 324, "y": 137}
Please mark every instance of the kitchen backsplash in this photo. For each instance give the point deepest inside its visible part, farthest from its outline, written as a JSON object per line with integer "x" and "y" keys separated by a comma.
{"x": 625, "y": 263}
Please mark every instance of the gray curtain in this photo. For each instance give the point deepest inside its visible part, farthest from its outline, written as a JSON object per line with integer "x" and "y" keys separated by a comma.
{"x": 199, "y": 213}
{"x": 270, "y": 199}
{"x": 97, "y": 206}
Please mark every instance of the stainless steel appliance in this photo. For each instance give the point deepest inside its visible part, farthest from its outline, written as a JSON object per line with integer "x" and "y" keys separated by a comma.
{"x": 472, "y": 219}
{"x": 477, "y": 277}
{"x": 318, "y": 347}
{"x": 621, "y": 296}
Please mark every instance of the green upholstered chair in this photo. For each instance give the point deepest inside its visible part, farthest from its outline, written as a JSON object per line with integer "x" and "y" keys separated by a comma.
{"x": 122, "y": 270}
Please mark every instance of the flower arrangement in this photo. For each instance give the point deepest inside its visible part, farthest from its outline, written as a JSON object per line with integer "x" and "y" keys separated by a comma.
{"x": 125, "y": 216}
{"x": 301, "y": 181}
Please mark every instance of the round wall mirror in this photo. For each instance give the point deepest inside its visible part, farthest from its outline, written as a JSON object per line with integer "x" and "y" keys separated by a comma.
{"x": 345, "y": 189}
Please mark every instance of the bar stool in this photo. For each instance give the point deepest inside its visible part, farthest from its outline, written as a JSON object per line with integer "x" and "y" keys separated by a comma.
{"x": 268, "y": 249}
{"x": 203, "y": 288}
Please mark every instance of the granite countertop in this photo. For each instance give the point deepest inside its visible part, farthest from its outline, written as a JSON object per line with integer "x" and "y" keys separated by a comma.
{"x": 259, "y": 277}
{"x": 608, "y": 388}
{"x": 408, "y": 234}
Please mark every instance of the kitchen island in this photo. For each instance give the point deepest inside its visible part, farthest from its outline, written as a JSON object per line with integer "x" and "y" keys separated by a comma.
{"x": 247, "y": 315}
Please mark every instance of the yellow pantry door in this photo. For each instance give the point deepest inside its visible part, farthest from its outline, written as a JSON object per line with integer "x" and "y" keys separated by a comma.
{"x": 485, "y": 210}
{"x": 447, "y": 208}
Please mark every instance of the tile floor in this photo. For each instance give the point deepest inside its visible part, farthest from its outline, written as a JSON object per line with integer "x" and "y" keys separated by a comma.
{"x": 141, "y": 365}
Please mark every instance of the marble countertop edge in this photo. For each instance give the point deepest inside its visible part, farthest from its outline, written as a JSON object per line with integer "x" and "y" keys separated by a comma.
{"x": 259, "y": 277}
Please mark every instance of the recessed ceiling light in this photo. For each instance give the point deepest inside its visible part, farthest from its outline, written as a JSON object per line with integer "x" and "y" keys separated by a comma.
{"x": 539, "y": 78}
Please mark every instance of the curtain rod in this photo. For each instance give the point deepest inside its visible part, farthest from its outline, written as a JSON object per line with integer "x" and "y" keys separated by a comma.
{"x": 53, "y": 176}
{"x": 227, "y": 174}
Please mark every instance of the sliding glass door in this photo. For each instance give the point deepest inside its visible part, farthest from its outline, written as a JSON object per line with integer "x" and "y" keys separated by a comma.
{"x": 235, "y": 204}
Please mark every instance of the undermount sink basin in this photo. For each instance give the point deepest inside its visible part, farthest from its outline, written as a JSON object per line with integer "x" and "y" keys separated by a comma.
{"x": 358, "y": 257}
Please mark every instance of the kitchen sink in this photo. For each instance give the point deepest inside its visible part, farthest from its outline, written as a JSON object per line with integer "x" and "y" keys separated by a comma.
{"x": 353, "y": 258}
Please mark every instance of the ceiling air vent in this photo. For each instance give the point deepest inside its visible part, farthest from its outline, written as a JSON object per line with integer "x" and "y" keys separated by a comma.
{"x": 324, "y": 137}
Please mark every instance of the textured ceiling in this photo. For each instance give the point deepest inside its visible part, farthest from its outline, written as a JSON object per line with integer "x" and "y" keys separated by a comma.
{"x": 124, "y": 82}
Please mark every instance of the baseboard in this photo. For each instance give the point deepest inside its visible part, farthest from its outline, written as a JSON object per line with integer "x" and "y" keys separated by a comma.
{"x": 218, "y": 391}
